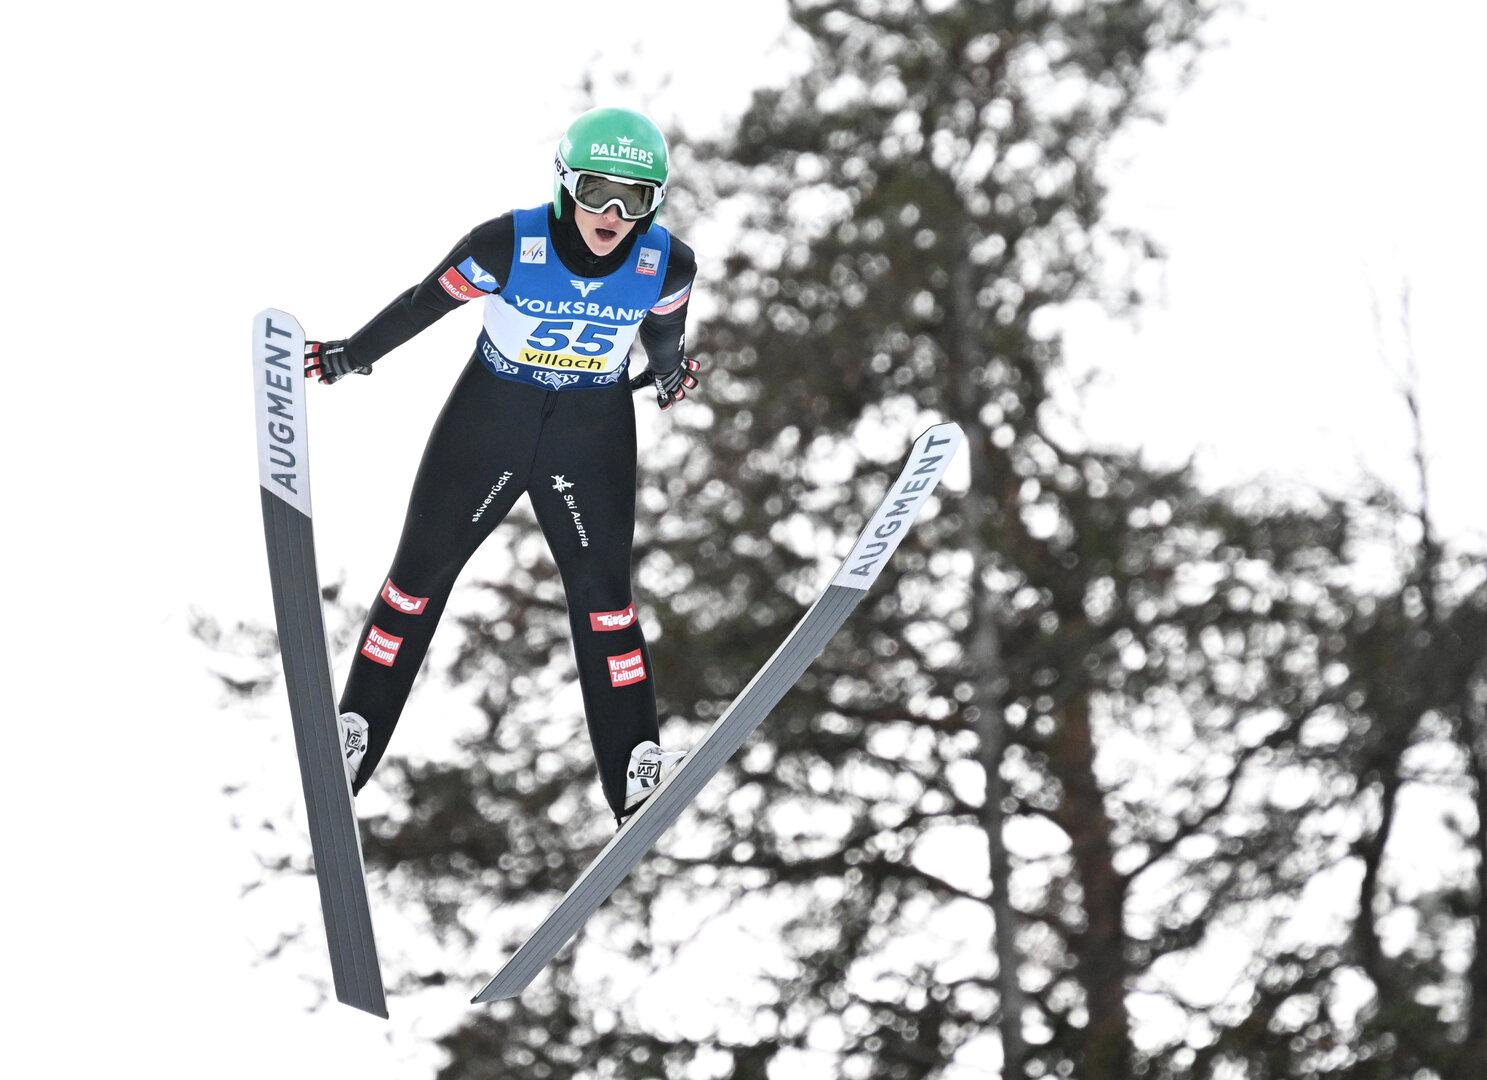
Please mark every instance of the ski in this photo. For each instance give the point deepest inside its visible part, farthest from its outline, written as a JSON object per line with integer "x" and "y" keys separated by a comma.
{"x": 284, "y": 483}
{"x": 927, "y": 462}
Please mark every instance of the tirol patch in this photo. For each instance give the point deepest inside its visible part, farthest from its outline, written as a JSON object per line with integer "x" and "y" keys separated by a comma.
{"x": 381, "y": 646}
{"x": 534, "y": 249}
{"x": 612, "y": 620}
{"x": 454, "y": 283}
{"x": 397, "y": 598}
{"x": 626, "y": 669}
{"x": 650, "y": 261}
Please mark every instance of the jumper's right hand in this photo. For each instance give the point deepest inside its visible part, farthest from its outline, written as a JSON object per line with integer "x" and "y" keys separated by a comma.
{"x": 329, "y": 361}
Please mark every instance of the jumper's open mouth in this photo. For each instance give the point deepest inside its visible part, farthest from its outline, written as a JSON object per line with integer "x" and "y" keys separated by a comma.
{"x": 606, "y": 235}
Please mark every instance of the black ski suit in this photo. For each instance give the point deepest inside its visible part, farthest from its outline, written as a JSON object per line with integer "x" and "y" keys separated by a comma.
{"x": 571, "y": 450}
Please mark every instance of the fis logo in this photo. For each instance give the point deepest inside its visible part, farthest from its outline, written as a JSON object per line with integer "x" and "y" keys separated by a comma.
{"x": 381, "y": 646}
{"x": 650, "y": 260}
{"x": 603, "y": 621}
{"x": 534, "y": 249}
{"x": 585, "y": 287}
{"x": 397, "y": 598}
{"x": 626, "y": 669}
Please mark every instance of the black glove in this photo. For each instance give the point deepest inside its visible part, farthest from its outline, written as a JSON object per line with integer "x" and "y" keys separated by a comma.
{"x": 672, "y": 386}
{"x": 329, "y": 361}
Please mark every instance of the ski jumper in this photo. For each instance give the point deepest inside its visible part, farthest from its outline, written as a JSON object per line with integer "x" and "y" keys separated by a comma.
{"x": 543, "y": 408}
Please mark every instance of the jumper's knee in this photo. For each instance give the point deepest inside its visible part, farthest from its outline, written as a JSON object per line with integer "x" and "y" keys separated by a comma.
{"x": 605, "y": 600}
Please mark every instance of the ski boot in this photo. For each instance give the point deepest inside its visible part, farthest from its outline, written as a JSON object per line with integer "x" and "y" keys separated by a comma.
{"x": 353, "y": 743}
{"x": 649, "y": 766}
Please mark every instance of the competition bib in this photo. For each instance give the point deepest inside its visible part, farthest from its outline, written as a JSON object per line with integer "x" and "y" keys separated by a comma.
{"x": 552, "y": 328}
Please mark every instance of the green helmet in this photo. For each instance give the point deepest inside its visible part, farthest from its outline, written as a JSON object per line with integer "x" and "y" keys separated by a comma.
{"x": 609, "y": 157}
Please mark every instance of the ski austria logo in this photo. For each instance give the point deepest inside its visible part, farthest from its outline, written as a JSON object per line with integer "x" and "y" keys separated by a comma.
{"x": 626, "y": 669}
{"x": 397, "y": 598}
{"x": 650, "y": 259}
{"x": 534, "y": 249}
{"x": 612, "y": 620}
{"x": 561, "y": 485}
{"x": 584, "y": 287}
{"x": 381, "y": 646}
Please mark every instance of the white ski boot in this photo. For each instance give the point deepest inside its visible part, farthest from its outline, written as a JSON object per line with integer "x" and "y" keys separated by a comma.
{"x": 353, "y": 743}
{"x": 649, "y": 766}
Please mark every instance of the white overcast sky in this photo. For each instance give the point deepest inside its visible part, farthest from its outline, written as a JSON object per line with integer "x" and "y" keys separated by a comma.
{"x": 173, "y": 168}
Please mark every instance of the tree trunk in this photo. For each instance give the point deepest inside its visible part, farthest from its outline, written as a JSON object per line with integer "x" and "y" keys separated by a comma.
{"x": 1474, "y": 1047}
{"x": 963, "y": 324}
{"x": 1100, "y": 963}
{"x": 985, "y": 647}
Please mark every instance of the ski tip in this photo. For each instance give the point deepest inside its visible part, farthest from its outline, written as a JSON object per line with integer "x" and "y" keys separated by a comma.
{"x": 940, "y": 432}
{"x": 928, "y": 459}
{"x": 941, "y": 440}
{"x": 278, "y": 317}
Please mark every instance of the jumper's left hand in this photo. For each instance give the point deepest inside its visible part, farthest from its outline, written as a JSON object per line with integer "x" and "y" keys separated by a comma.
{"x": 672, "y": 386}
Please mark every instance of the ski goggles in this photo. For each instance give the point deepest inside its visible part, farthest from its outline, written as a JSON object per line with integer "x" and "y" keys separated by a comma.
{"x": 596, "y": 193}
